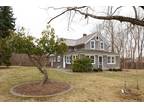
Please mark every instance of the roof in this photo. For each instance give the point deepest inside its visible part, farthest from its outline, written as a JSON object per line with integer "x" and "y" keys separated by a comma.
{"x": 70, "y": 42}
{"x": 82, "y": 40}
{"x": 93, "y": 52}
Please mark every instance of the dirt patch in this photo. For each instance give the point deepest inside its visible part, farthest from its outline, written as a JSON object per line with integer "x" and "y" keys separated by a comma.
{"x": 35, "y": 89}
{"x": 132, "y": 95}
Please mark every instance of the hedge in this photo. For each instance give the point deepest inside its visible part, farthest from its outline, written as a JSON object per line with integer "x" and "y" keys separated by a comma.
{"x": 82, "y": 65}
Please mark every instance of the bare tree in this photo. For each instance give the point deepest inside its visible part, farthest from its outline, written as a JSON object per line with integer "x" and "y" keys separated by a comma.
{"x": 109, "y": 27}
{"x": 85, "y": 11}
{"x": 130, "y": 40}
{"x": 112, "y": 14}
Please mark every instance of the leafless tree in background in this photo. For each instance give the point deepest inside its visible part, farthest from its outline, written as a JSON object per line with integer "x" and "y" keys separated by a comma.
{"x": 125, "y": 36}
{"x": 127, "y": 39}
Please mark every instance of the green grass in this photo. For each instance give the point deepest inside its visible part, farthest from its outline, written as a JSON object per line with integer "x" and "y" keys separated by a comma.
{"x": 100, "y": 86}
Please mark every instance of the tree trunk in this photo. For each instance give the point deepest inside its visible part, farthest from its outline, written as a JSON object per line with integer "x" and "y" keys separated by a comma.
{"x": 39, "y": 66}
{"x": 45, "y": 76}
{"x": 112, "y": 37}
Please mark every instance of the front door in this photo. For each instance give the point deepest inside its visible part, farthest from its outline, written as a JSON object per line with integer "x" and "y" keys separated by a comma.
{"x": 100, "y": 62}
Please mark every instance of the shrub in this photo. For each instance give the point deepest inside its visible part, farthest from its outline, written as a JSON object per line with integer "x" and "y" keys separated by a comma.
{"x": 113, "y": 69}
{"x": 120, "y": 69}
{"x": 82, "y": 65}
{"x": 7, "y": 63}
{"x": 110, "y": 69}
{"x": 100, "y": 70}
{"x": 97, "y": 70}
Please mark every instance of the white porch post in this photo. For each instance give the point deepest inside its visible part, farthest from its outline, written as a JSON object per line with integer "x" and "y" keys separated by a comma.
{"x": 63, "y": 61}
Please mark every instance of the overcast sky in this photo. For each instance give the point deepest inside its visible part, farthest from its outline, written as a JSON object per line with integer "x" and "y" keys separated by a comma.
{"x": 31, "y": 15}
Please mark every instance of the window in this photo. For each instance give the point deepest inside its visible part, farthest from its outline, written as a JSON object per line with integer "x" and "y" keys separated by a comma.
{"x": 111, "y": 60}
{"x": 54, "y": 59}
{"x": 92, "y": 44}
{"x": 58, "y": 59}
{"x": 87, "y": 56}
{"x": 74, "y": 57}
{"x": 101, "y": 45}
{"x": 68, "y": 59}
{"x": 97, "y": 38}
{"x": 92, "y": 59}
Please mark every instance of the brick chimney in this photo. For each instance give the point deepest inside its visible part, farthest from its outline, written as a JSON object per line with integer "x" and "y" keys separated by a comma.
{"x": 84, "y": 34}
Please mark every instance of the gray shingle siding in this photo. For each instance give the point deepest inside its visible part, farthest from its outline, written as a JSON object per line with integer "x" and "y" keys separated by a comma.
{"x": 111, "y": 66}
{"x": 105, "y": 64}
{"x": 97, "y": 44}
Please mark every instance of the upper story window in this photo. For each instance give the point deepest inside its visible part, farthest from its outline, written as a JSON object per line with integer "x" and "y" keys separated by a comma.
{"x": 97, "y": 38}
{"x": 101, "y": 45}
{"x": 111, "y": 60}
{"x": 92, "y": 44}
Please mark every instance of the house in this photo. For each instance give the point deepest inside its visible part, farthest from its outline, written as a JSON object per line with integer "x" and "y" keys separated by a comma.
{"x": 94, "y": 46}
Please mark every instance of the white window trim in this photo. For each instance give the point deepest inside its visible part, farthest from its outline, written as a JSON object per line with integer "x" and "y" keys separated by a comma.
{"x": 68, "y": 62}
{"x": 91, "y": 44}
{"x": 111, "y": 59}
{"x": 103, "y": 45}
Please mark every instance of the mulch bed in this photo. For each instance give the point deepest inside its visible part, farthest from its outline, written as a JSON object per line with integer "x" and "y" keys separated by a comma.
{"x": 35, "y": 89}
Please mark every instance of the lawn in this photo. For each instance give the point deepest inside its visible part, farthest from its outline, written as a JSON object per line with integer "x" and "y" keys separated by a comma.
{"x": 102, "y": 86}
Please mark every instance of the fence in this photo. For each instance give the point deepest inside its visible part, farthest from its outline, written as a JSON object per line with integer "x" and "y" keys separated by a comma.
{"x": 23, "y": 60}
{"x": 132, "y": 65}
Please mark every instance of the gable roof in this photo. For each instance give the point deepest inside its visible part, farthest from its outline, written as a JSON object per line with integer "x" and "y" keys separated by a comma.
{"x": 83, "y": 40}
{"x": 70, "y": 42}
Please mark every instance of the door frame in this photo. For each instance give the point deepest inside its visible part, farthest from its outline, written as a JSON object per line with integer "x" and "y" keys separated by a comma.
{"x": 98, "y": 60}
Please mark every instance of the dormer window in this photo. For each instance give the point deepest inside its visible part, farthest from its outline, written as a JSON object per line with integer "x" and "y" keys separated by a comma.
{"x": 101, "y": 45}
{"x": 92, "y": 44}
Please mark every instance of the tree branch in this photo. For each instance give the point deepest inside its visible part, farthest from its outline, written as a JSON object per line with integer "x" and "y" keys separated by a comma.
{"x": 131, "y": 20}
{"x": 136, "y": 16}
{"x": 116, "y": 10}
{"x": 67, "y": 9}
{"x": 118, "y": 18}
